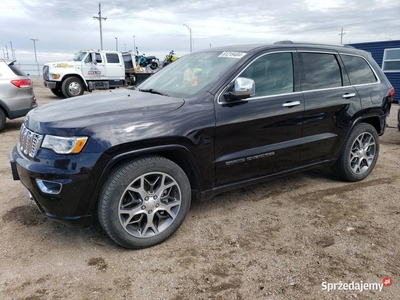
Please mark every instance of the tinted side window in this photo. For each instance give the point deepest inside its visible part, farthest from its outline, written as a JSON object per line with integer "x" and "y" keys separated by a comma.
{"x": 321, "y": 71}
{"x": 272, "y": 74}
{"x": 112, "y": 58}
{"x": 358, "y": 69}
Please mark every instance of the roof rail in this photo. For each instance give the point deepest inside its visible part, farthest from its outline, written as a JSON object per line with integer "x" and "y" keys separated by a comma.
{"x": 308, "y": 43}
{"x": 284, "y": 42}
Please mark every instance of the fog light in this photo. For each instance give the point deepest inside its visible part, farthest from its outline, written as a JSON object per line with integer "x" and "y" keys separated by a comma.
{"x": 49, "y": 187}
{"x": 56, "y": 76}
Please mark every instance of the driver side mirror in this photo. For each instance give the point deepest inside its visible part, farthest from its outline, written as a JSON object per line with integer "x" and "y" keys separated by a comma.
{"x": 93, "y": 55}
{"x": 243, "y": 88}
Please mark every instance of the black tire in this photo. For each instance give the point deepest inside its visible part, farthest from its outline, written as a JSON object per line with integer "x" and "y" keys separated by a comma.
{"x": 152, "y": 209}
{"x": 154, "y": 65}
{"x": 57, "y": 92}
{"x": 2, "y": 119}
{"x": 359, "y": 155}
{"x": 72, "y": 87}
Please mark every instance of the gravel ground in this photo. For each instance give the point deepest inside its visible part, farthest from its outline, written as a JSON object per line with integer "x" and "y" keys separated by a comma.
{"x": 283, "y": 239}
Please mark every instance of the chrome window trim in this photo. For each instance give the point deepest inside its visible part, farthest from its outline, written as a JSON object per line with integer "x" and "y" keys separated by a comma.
{"x": 378, "y": 80}
{"x": 259, "y": 97}
{"x": 302, "y": 51}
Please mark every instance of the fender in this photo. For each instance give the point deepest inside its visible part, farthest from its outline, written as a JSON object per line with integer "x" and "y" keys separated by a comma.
{"x": 381, "y": 118}
{"x": 158, "y": 150}
{"x": 4, "y": 107}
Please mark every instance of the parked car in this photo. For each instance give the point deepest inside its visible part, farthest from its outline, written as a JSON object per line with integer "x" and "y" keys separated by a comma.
{"x": 212, "y": 121}
{"x": 16, "y": 92}
{"x": 398, "y": 118}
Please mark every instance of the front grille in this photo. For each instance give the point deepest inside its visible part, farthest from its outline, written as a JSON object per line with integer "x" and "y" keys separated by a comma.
{"x": 46, "y": 73}
{"x": 29, "y": 141}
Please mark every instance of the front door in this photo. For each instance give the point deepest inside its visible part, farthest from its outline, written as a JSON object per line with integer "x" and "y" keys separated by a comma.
{"x": 91, "y": 70}
{"x": 260, "y": 135}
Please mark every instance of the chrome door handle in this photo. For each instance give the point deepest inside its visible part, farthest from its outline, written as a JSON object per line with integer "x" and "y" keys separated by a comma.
{"x": 346, "y": 96}
{"x": 290, "y": 104}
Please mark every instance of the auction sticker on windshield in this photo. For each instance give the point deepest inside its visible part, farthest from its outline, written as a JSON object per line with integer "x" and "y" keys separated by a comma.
{"x": 232, "y": 54}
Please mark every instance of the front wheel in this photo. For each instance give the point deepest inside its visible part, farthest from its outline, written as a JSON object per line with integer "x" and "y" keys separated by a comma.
{"x": 57, "y": 92}
{"x": 154, "y": 65}
{"x": 72, "y": 86}
{"x": 144, "y": 202}
{"x": 359, "y": 155}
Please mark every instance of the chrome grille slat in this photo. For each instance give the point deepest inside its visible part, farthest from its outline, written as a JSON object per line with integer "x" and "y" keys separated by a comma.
{"x": 29, "y": 141}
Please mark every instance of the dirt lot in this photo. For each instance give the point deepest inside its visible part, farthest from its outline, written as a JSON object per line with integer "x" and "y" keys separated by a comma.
{"x": 277, "y": 240}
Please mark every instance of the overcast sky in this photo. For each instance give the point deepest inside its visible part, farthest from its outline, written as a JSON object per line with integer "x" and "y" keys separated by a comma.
{"x": 65, "y": 27}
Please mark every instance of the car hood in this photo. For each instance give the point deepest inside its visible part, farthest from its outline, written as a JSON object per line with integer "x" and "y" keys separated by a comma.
{"x": 67, "y": 117}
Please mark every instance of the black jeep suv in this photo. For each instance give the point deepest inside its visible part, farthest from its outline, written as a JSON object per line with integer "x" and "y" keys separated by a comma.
{"x": 212, "y": 121}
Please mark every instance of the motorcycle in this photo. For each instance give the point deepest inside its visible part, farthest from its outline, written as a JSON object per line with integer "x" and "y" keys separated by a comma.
{"x": 171, "y": 57}
{"x": 144, "y": 61}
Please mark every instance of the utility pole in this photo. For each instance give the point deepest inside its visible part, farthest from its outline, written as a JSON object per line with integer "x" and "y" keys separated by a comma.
{"x": 116, "y": 44}
{"x": 12, "y": 51}
{"x": 34, "y": 47}
{"x": 341, "y": 36}
{"x": 7, "y": 51}
{"x": 100, "y": 18}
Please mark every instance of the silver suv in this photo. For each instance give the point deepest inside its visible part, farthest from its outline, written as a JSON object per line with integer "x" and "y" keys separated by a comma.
{"x": 16, "y": 92}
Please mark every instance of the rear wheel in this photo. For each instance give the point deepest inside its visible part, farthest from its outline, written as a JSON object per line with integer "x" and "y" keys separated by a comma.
{"x": 154, "y": 65}
{"x": 57, "y": 92}
{"x": 72, "y": 86}
{"x": 360, "y": 154}
{"x": 144, "y": 202}
{"x": 2, "y": 119}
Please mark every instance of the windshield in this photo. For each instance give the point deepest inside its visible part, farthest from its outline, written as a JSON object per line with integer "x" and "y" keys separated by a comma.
{"x": 79, "y": 56}
{"x": 191, "y": 74}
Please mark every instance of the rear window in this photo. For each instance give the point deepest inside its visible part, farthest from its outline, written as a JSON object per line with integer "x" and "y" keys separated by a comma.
{"x": 112, "y": 58}
{"x": 321, "y": 71}
{"x": 358, "y": 69}
{"x": 16, "y": 70}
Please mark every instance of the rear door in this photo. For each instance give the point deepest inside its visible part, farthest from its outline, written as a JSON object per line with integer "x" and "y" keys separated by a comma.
{"x": 115, "y": 66}
{"x": 262, "y": 134}
{"x": 330, "y": 103}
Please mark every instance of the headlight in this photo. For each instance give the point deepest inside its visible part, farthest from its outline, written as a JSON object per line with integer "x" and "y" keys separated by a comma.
{"x": 64, "y": 145}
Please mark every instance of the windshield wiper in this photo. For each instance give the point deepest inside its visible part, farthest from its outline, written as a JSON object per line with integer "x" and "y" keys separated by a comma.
{"x": 153, "y": 91}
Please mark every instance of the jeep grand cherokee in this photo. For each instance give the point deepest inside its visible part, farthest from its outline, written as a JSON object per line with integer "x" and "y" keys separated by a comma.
{"x": 212, "y": 121}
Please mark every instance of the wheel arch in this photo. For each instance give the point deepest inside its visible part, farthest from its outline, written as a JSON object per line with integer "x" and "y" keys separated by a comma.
{"x": 176, "y": 153}
{"x": 65, "y": 77}
{"x": 4, "y": 108}
{"x": 375, "y": 120}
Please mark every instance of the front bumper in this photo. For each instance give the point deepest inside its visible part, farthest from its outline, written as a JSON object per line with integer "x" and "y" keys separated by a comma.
{"x": 50, "y": 84}
{"x": 61, "y": 185}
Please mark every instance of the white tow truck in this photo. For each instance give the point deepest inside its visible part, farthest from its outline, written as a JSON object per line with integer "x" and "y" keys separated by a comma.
{"x": 90, "y": 70}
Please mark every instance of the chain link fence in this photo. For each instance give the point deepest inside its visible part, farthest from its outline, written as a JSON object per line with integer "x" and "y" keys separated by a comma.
{"x": 31, "y": 69}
